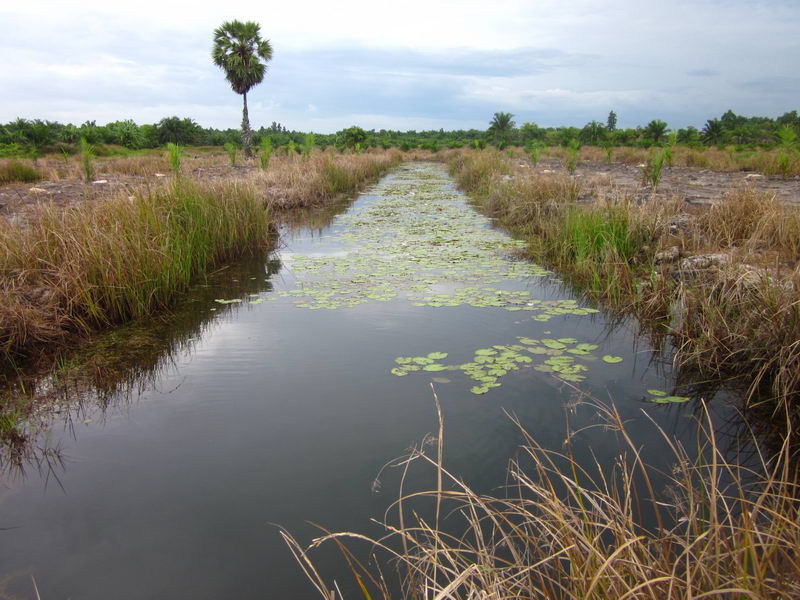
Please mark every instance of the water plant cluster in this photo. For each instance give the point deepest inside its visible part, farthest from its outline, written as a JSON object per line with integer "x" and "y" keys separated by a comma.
{"x": 488, "y": 365}
{"x": 419, "y": 241}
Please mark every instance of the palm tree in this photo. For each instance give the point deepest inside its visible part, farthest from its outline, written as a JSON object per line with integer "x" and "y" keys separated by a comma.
{"x": 239, "y": 51}
{"x": 500, "y": 127}
{"x": 656, "y": 130}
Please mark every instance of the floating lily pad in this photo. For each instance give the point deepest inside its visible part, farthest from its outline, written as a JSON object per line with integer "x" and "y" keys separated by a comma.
{"x": 612, "y": 359}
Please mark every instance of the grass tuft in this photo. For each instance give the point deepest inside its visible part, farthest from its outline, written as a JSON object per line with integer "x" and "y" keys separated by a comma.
{"x": 14, "y": 171}
{"x": 114, "y": 259}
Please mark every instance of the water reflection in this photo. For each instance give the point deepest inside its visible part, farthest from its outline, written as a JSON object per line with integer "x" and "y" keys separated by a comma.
{"x": 179, "y": 440}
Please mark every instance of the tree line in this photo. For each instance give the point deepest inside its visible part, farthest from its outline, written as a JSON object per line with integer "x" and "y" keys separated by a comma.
{"x": 32, "y": 137}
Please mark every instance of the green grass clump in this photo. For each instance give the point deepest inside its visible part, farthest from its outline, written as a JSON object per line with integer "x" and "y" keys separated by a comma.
{"x": 115, "y": 259}
{"x": 13, "y": 171}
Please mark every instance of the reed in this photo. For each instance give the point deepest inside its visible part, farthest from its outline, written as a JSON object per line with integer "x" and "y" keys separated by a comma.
{"x": 566, "y": 531}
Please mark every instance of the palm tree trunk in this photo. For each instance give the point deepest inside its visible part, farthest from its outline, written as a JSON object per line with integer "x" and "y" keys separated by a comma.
{"x": 247, "y": 134}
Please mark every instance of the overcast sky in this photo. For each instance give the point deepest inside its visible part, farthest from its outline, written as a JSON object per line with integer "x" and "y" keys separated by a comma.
{"x": 404, "y": 65}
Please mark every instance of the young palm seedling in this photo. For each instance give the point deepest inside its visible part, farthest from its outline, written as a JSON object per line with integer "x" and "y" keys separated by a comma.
{"x": 266, "y": 152}
{"x": 174, "y": 152}
{"x": 87, "y": 156}
{"x": 231, "y": 150}
{"x": 308, "y": 144}
{"x": 571, "y": 159}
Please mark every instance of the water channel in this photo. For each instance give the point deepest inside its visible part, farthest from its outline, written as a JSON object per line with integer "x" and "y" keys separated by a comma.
{"x": 278, "y": 390}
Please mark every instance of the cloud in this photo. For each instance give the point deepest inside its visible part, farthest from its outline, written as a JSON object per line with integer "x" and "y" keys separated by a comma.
{"x": 702, "y": 73}
{"x": 445, "y": 64}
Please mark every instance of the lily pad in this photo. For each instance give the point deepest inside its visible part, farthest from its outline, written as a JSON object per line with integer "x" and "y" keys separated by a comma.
{"x": 612, "y": 360}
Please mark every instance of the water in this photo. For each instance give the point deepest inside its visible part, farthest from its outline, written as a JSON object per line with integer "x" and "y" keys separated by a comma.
{"x": 280, "y": 408}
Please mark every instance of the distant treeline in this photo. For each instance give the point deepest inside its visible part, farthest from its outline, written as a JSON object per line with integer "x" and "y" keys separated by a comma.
{"x": 36, "y": 137}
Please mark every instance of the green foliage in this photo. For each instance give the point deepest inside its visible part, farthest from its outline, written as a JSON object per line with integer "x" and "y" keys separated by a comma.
{"x": 500, "y": 129}
{"x": 611, "y": 121}
{"x": 350, "y": 137}
{"x": 608, "y": 147}
{"x": 651, "y": 173}
{"x": 308, "y": 144}
{"x": 87, "y": 155}
{"x": 479, "y": 144}
{"x": 173, "y": 130}
{"x": 241, "y": 53}
{"x": 16, "y": 171}
{"x": 174, "y": 152}
{"x": 787, "y": 136}
{"x": 266, "y": 152}
{"x": 593, "y": 133}
{"x": 598, "y": 235}
{"x": 535, "y": 153}
{"x": 231, "y": 150}
{"x": 784, "y": 163}
{"x": 571, "y": 158}
{"x": 656, "y": 130}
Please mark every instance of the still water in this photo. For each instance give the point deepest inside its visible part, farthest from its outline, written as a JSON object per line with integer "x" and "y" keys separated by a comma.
{"x": 277, "y": 391}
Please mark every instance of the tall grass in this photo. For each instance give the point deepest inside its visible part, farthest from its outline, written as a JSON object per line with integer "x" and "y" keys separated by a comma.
{"x": 566, "y": 531}
{"x": 14, "y": 171}
{"x": 738, "y": 321}
{"x": 115, "y": 259}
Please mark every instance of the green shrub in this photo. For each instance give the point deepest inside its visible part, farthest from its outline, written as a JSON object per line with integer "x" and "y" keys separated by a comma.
{"x": 16, "y": 171}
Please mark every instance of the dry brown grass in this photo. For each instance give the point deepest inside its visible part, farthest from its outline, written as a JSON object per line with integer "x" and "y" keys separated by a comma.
{"x": 103, "y": 262}
{"x": 92, "y": 264}
{"x": 738, "y": 319}
{"x": 293, "y": 181}
{"x": 566, "y": 531}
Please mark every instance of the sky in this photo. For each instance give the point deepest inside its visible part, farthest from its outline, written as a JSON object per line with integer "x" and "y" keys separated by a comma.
{"x": 405, "y": 65}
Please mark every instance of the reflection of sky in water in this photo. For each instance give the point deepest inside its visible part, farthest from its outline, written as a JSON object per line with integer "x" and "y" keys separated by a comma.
{"x": 280, "y": 414}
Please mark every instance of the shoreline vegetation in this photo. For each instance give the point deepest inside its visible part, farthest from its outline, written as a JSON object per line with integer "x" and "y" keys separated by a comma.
{"x": 723, "y": 280}
{"x": 561, "y": 530}
{"x": 69, "y": 271}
